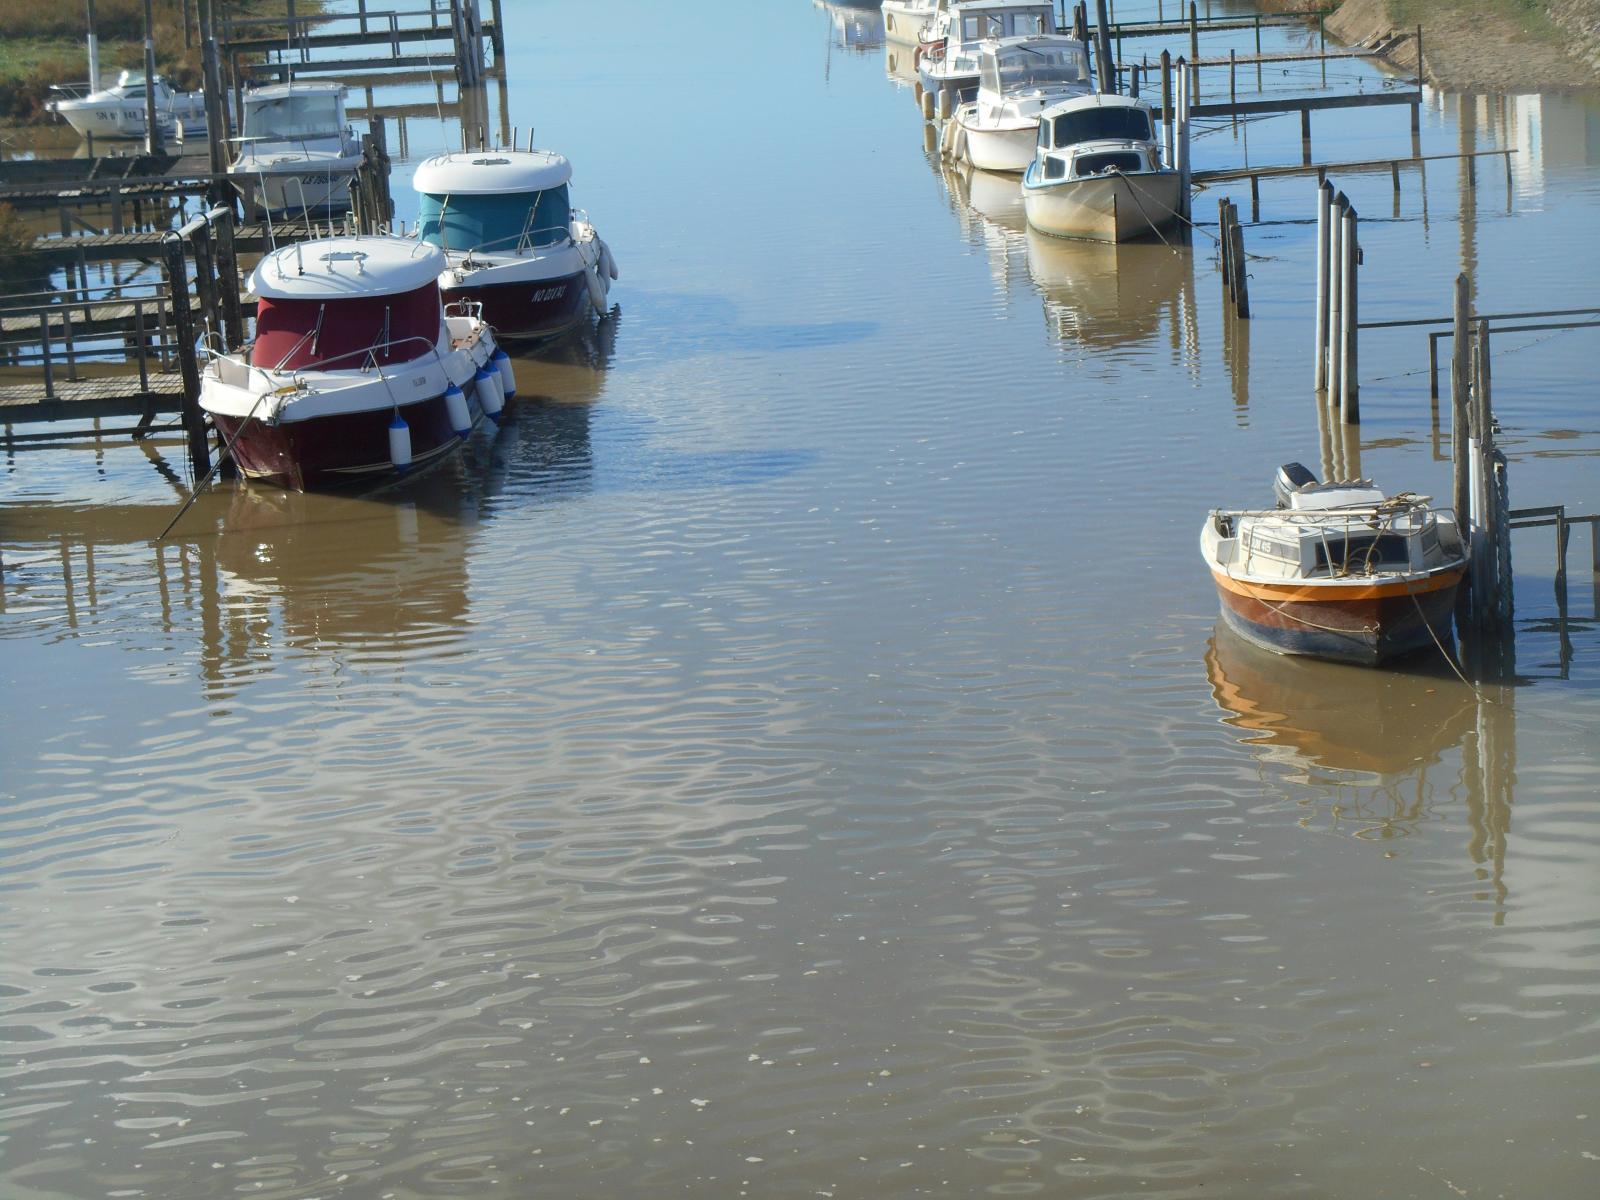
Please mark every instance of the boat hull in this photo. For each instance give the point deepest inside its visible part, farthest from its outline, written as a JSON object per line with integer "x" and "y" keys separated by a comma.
{"x": 1005, "y": 150}
{"x": 1106, "y": 208}
{"x": 291, "y": 193}
{"x": 904, "y": 24}
{"x": 529, "y": 310}
{"x": 1370, "y": 627}
{"x": 342, "y": 450}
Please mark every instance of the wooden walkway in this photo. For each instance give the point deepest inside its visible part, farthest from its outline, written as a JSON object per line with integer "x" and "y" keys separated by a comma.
{"x": 114, "y": 247}
{"x": 87, "y": 399}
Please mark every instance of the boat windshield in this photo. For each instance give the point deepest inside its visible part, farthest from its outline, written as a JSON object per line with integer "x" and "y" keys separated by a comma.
{"x": 1099, "y": 124}
{"x": 296, "y": 116}
{"x": 495, "y": 223}
{"x": 984, "y": 26}
{"x": 1024, "y": 67}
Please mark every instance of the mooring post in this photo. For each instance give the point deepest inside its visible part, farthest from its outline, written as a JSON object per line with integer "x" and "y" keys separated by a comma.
{"x": 1335, "y": 297}
{"x": 1240, "y": 264}
{"x": 1350, "y": 389}
{"x": 1166, "y": 108}
{"x": 1233, "y": 83}
{"x": 152, "y": 131}
{"x": 497, "y": 38}
{"x": 194, "y": 423}
{"x": 1224, "y": 244}
{"x": 1194, "y": 31}
{"x": 1460, "y": 384}
{"x": 1185, "y": 174}
{"x": 1305, "y": 136}
{"x": 1324, "y": 211}
{"x": 1102, "y": 48}
{"x": 228, "y": 278}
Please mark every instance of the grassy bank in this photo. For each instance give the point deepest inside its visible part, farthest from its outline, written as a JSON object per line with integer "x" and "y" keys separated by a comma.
{"x": 43, "y": 44}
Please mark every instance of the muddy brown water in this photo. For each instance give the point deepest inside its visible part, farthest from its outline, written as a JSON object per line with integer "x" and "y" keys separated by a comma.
{"x": 797, "y": 754}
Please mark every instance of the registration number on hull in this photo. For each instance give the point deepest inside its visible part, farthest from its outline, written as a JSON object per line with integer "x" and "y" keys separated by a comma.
{"x": 549, "y": 293}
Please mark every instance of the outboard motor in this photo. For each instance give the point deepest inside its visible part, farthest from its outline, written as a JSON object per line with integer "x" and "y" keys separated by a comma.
{"x": 1291, "y": 478}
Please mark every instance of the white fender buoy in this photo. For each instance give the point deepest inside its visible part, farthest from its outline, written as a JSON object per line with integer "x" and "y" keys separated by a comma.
{"x": 597, "y": 290}
{"x": 947, "y": 138}
{"x": 399, "y": 443}
{"x": 455, "y": 407}
{"x": 508, "y": 374}
{"x": 490, "y": 398}
{"x": 958, "y": 147}
{"x": 607, "y": 262}
{"x": 927, "y": 106}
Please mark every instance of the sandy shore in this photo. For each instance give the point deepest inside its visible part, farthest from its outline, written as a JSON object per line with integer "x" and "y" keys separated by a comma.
{"x": 1482, "y": 46}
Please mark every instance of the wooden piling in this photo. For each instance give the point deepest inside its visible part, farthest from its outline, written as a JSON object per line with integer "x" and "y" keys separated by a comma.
{"x": 194, "y": 424}
{"x": 1194, "y": 31}
{"x": 1350, "y": 334}
{"x": 1166, "y": 107}
{"x": 1240, "y": 265}
{"x": 1324, "y": 231}
{"x": 1224, "y": 244}
{"x": 1460, "y": 384}
{"x": 1102, "y": 49}
{"x": 1336, "y": 262}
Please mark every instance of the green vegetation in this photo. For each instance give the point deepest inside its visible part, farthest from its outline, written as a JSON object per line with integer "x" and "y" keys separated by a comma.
{"x": 1532, "y": 16}
{"x": 17, "y": 265}
{"x": 43, "y": 44}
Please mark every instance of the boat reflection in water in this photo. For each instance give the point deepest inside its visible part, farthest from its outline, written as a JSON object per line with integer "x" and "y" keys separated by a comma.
{"x": 857, "y": 27}
{"x": 1114, "y": 294}
{"x": 1327, "y": 718}
{"x": 1377, "y": 753}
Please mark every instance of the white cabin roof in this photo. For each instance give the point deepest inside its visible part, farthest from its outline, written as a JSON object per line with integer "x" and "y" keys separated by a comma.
{"x": 491, "y": 172}
{"x": 346, "y": 268}
{"x": 1094, "y": 100}
{"x": 276, "y": 91}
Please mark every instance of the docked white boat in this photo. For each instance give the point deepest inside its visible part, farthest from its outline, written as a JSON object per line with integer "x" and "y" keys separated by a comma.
{"x": 512, "y": 241}
{"x": 356, "y": 371}
{"x": 297, "y": 149}
{"x": 1337, "y": 570}
{"x": 948, "y": 61}
{"x": 120, "y": 111}
{"x": 1097, "y": 172}
{"x": 1018, "y": 78}
{"x": 905, "y": 21}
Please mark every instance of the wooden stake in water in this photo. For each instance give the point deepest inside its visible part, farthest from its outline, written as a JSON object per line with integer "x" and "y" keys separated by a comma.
{"x": 1460, "y": 382}
{"x": 1350, "y": 387}
{"x": 1324, "y": 232}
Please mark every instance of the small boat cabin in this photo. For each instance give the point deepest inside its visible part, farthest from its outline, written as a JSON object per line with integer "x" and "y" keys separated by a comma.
{"x": 1034, "y": 64}
{"x": 505, "y": 202}
{"x": 990, "y": 20}
{"x": 294, "y": 112}
{"x": 347, "y": 304}
{"x": 1097, "y": 135}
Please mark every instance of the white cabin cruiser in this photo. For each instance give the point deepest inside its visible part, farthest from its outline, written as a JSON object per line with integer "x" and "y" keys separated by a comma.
{"x": 948, "y": 62}
{"x": 356, "y": 372}
{"x": 1097, "y": 172}
{"x": 905, "y": 21}
{"x": 297, "y": 148}
{"x": 1018, "y": 78}
{"x": 119, "y": 111}
{"x": 512, "y": 241}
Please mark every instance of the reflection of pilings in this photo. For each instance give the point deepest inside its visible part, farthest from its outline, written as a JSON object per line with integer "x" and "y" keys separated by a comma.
{"x": 1467, "y": 125}
{"x": 1489, "y": 779}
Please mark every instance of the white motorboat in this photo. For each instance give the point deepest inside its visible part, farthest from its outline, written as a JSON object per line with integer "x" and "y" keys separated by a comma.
{"x": 512, "y": 241}
{"x": 297, "y": 151}
{"x": 1097, "y": 172}
{"x": 1018, "y": 78}
{"x": 120, "y": 110}
{"x": 948, "y": 58}
{"x": 356, "y": 372}
{"x": 1337, "y": 570}
{"x": 905, "y": 21}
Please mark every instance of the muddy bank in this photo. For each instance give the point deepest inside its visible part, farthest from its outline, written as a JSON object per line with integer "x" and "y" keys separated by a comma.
{"x": 1481, "y": 45}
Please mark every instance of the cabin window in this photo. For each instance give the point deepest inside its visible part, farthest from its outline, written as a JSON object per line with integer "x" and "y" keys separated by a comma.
{"x": 133, "y": 93}
{"x": 988, "y": 75}
{"x": 496, "y": 224}
{"x": 293, "y": 116}
{"x": 1123, "y": 162}
{"x": 1055, "y": 168}
{"x": 1025, "y": 67}
{"x": 1026, "y": 24}
{"x": 1102, "y": 124}
{"x": 1356, "y": 553}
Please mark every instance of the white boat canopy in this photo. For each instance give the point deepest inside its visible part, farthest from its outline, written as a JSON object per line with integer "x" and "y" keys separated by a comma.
{"x": 346, "y": 268}
{"x": 1021, "y": 64}
{"x": 492, "y": 173}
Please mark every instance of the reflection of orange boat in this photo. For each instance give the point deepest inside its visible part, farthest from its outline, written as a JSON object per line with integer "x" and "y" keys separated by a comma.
{"x": 1307, "y": 713}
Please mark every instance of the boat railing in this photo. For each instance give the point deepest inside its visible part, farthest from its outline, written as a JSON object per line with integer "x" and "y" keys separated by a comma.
{"x": 274, "y": 376}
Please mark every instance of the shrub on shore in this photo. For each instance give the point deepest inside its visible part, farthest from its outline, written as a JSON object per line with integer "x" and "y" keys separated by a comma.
{"x": 19, "y": 266}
